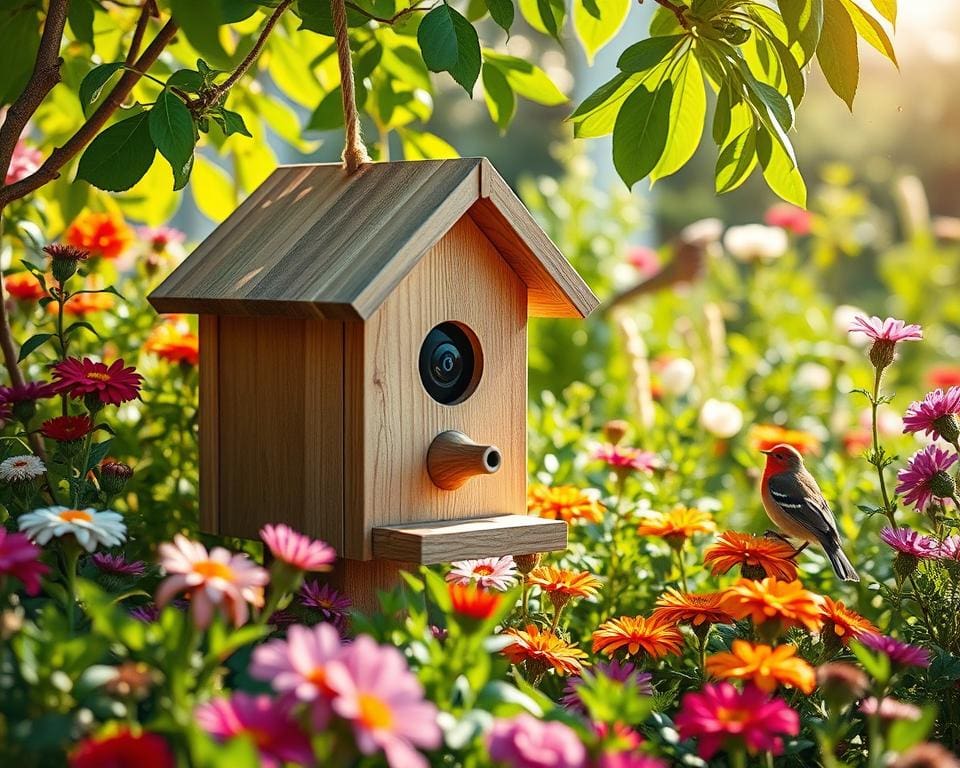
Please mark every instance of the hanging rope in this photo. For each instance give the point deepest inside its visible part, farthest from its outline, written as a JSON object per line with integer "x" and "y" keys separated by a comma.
{"x": 354, "y": 151}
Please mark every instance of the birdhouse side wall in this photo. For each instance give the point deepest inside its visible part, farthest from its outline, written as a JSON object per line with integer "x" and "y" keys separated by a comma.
{"x": 391, "y": 419}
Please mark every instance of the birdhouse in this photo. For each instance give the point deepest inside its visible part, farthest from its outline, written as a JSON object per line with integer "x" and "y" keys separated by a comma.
{"x": 363, "y": 359}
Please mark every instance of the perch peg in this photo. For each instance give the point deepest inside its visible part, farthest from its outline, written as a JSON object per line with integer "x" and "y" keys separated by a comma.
{"x": 453, "y": 458}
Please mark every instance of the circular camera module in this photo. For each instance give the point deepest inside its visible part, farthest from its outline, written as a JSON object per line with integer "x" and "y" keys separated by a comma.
{"x": 450, "y": 363}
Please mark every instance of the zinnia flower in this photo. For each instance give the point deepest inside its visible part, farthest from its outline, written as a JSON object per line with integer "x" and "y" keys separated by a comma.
{"x": 926, "y": 477}
{"x": 26, "y": 161}
{"x": 774, "y": 605}
{"x": 472, "y": 602}
{"x": 561, "y": 585}
{"x": 123, "y": 749}
{"x": 384, "y": 703}
{"x": 268, "y": 723}
{"x": 935, "y": 415}
{"x": 674, "y": 607}
{"x": 765, "y": 666}
{"x": 563, "y": 502}
{"x": 299, "y": 665}
{"x": 623, "y": 458}
{"x": 21, "y": 469}
{"x": 525, "y": 741}
{"x": 542, "y": 650}
{"x": 910, "y": 542}
{"x": 113, "y": 385}
{"x": 90, "y": 527}
{"x": 497, "y": 572}
{"x": 174, "y": 342}
{"x": 764, "y": 437}
{"x": 885, "y": 335}
{"x": 843, "y": 622}
{"x": 890, "y": 709}
{"x": 67, "y": 429}
{"x": 720, "y": 714}
{"x": 795, "y": 220}
{"x": 103, "y": 234}
{"x": 27, "y": 393}
{"x": 24, "y": 286}
{"x": 898, "y": 652}
{"x": 216, "y": 580}
{"x": 620, "y": 672}
{"x": 297, "y": 550}
{"x": 757, "y": 556}
{"x": 333, "y": 606}
{"x": 677, "y": 525}
{"x": 636, "y": 634}
{"x": 19, "y": 557}
{"x": 118, "y": 564}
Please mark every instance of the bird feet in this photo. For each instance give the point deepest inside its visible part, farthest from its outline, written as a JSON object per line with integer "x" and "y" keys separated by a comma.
{"x": 777, "y": 535}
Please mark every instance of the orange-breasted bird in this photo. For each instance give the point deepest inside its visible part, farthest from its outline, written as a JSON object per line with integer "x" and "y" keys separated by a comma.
{"x": 794, "y": 503}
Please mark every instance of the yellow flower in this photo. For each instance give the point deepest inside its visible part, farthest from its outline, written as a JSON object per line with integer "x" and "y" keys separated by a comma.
{"x": 563, "y": 502}
{"x": 677, "y": 525}
{"x": 542, "y": 650}
{"x": 757, "y": 556}
{"x": 767, "y": 667}
{"x": 652, "y": 636}
{"x": 774, "y": 605}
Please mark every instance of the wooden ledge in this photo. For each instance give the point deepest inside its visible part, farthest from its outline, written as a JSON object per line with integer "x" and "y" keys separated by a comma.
{"x": 444, "y": 541}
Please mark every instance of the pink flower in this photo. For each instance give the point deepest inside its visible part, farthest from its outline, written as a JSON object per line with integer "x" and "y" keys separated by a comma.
{"x": 27, "y": 392}
{"x": 112, "y": 385}
{"x": 890, "y": 709}
{"x": 117, "y": 564}
{"x": 950, "y": 548}
{"x": 898, "y": 652}
{"x": 935, "y": 415}
{"x": 26, "y": 160}
{"x": 890, "y": 329}
{"x": 790, "y": 218}
{"x": 644, "y": 259}
{"x": 910, "y": 542}
{"x": 925, "y": 476}
{"x": 19, "y": 558}
{"x": 621, "y": 672}
{"x": 383, "y": 702}
{"x": 623, "y": 457}
{"x": 268, "y": 723}
{"x": 333, "y": 606}
{"x": 161, "y": 238}
{"x": 216, "y": 580}
{"x": 295, "y": 549}
{"x": 720, "y": 713}
{"x": 525, "y": 741}
{"x": 497, "y": 572}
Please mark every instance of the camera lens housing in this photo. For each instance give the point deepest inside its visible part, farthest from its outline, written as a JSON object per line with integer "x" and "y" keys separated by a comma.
{"x": 450, "y": 363}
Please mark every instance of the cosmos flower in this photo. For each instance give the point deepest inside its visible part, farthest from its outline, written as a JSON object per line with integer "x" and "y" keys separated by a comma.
{"x": 161, "y": 238}
{"x": 637, "y": 634}
{"x": 897, "y": 651}
{"x": 90, "y": 527}
{"x": 563, "y": 502}
{"x": 763, "y": 665}
{"x": 118, "y": 564}
{"x": 299, "y": 665}
{"x": 542, "y": 650}
{"x": 296, "y": 550}
{"x": 949, "y": 548}
{"x": 123, "y": 748}
{"x": 911, "y": 542}
{"x": 497, "y": 572}
{"x": 174, "y": 341}
{"x": 757, "y": 556}
{"x": 674, "y": 607}
{"x": 114, "y": 384}
{"x": 333, "y": 606}
{"x": 525, "y": 741}
{"x": 885, "y": 334}
{"x": 472, "y": 602}
{"x": 935, "y": 415}
{"x": 103, "y": 234}
{"x": 620, "y": 672}
{"x": 623, "y": 458}
{"x": 844, "y": 622}
{"x": 19, "y": 557}
{"x": 21, "y": 469}
{"x": 777, "y": 604}
{"x": 926, "y": 477}
{"x": 677, "y": 525}
{"x": 67, "y": 429}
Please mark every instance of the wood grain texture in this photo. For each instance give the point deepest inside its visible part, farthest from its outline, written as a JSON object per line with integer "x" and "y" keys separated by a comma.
{"x": 312, "y": 242}
{"x": 444, "y": 542}
{"x": 392, "y": 420}
{"x": 209, "y": 424}
{"x": 453, "y": 458}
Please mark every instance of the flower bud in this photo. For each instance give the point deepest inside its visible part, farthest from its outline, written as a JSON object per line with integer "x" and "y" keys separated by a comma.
{"x": 842, "y": 683}
{"x": 948, "y": 426}
{"x": 942, "y": 485}
{"x": 615, "y": 430}
{"x": 114, "y": 476}
{"x": 882, "y": 353}
{"x": 904, "y": 565}
{"x": 24, "y": 410}
{"x": 64, "y": 260}
{"x": 526, "y": 563}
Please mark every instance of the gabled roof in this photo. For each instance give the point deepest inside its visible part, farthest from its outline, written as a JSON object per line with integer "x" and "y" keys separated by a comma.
{"x": 314, "y": 242}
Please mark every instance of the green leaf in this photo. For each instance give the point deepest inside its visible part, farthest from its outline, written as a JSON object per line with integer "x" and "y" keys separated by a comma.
{"x": 316, "y": 16}
{"x": 837, "y": 51}
{"x": 201, "y": 22}
{"x": 597, "y": 115}
{"x": 422, "y": 145}
{"x": 232, "y": 122}
{"x": 640, "y": 132}
{"x": 120, "y": 156}
{"x": 887, "y": 9}
{"x": 688, "y": 113}
{"x": 186, "y": 80}
{"x": 804, "y": 22}
{"x": 502, "y": 12}
{"x": 33, "y": 343}
{"x": 904, "y": 734}
{"x": 870, "y": 30}
{"x": 98, "y": 452}
{"x": 78, "y": 325}
{"x": 328, "y": 115}
{"x": 94, "y": 81}
{"x": 499, "y": 96}
{"x": 780, "y": 170}
{"x": 545, "y": 16}
{"x": 213, "y": 190}
{"x": 173, "y": 133}
{"x": 19, "y": 41}
{"x": 596, "y": 22}
{"x": 736, "y": 161}
{"x": 664, "y": 22}
{"x": 527, "y": 79}
{"x": 646, "y": 54}
{"x": 449, "y": 43}
{"x": 80, "y": 17}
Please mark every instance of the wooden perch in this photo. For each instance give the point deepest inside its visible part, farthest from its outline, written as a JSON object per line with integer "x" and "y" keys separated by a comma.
{"x": 453, "y": 458}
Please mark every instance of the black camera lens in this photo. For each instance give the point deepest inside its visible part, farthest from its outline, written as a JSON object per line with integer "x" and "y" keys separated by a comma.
{"x": 448, "y": 364}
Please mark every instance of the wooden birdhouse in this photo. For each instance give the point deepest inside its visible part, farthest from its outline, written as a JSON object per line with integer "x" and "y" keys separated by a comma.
{"x": 363, "y": 358}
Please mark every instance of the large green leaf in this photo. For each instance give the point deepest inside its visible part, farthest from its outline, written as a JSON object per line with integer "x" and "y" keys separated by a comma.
{"x": 173, "y": 134}
{"x": 837, "y": 51}
{"x": 200, "y": 22}
{"x": 804, "y": 22}
{"x": 545, "y": 16}
{"x": 527, "y": 79}
{"x": 646, "y": 54}
{"x": 213, "y": 190}
{"x": 502, "y": 12}
{"x": 499, "y": 96}
{"x": 316, "y": 16}
{"x": 19, "y": 41}
{"x": 80, "y": 18}
{"x": 736, "y": 161}
{"x": 449, "y": 43}
{"x": 640, "y": 132}
{"x": 120, "y": 156}
{"x": 93, "y": 83}
{"x": 870, "y": 30}
{"x": 780, "y": 170}
{"x": 596, "y": 22}
{"x": 688, "y": 112}
{"x": 419, "y": 145}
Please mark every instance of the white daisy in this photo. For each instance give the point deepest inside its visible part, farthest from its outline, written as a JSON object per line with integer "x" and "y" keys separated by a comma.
{"x": 90, "y": 527}
{"x": 19, "y": 469}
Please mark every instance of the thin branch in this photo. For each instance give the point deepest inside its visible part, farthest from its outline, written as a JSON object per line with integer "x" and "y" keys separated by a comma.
{"x": 390, "y": 19}
{"x": 676, "y": 10}
{"x": 147, "y": 10}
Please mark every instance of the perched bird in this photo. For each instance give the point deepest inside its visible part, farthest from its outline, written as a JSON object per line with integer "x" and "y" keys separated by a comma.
{"x": 794, "y": 503}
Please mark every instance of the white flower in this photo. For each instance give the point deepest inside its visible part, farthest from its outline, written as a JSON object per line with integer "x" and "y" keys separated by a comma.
{"x": 720, "y": 418}
{"x": 814, "y": 376}
{"x": 843, "y": 316}
{"x": 91, "y": 528}
{"x": 676, "y": 377}
{"x": 18, "y": 469}
{"x": 702, "y": 232}
{"x": 753, "y": 242}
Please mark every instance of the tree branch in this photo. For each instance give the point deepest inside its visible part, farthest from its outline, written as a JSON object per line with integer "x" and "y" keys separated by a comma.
{"x": 676, "y": 10}
{"x": 396, "y": 17}
{"x": 147, "y": 9}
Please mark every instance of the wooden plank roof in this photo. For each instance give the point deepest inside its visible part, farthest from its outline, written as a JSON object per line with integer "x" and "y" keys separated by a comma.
{"x": 313, "y": 242}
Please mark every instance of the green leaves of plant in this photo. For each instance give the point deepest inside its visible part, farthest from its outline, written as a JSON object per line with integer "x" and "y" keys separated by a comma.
{"x": 506, "y": 77}
{"x": 120, "y": 156}
{"x": 640, "y": 131}
{"x": 596, "y": 22}
{"x": 93, "y": 83}
{"x": 173, "y": 133}
{"x": 837, "y": 51}
{"x": 449, "y": 43}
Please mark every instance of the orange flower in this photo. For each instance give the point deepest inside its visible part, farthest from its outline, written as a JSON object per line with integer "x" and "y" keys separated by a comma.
{"x": 757, "y": 556}
{"x": 677, "y": 525}
{"x": 83, "y": 304}
{"x": 173, "y": 340}
{"x": 651, "y": 635}
{"x": 845, "y": 623}
{"x": 767, "y": 667}
{"x": 763, "y": 437}
{"x": 23, "y": 286}
{"x": 103, "y": 234}
{"x": 774, "y": 605}
{"x": 674, "y": 607}
{"x": 561, "y": 585}
{"x": 544, "y": 650}
{"x": 472, "y": 602}
{"x": 563, "y": 502}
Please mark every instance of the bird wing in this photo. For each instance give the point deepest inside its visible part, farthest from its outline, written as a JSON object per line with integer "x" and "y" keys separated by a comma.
{"x": 800, "y": 498}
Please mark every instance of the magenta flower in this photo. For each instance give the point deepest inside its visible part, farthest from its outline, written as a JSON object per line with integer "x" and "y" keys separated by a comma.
{"x": 624, "y": 458}
{"x": 383, "y": 701}
{"x": 720, "y": 713}
{"x": 897, "y": 651}
{"x": 118, "y": 564}
{"x": 950, "y": 548}
{"x": 19, "y": 558}
{"x": 147, "y": 613}
{"x": 297, "y": 550}
{"x": 935, "y": 415}
{"x": 890, "y": 709}
{"x": 497, "y": 572}
{"x": 910, "y": 542}
{"x": 268, "y": 723}
{"x": 925, "y": 476}
{"x": 160, "y": 238}
{"x": 621, "y": 672}
{"x": 333, "y": 606}
{"x": 27, "y": 392}
{"x": 890, "y": 329}
{"x": 525, "y": 741}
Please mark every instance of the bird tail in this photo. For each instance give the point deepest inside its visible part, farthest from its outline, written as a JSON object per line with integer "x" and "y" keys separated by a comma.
{"x": 841, "y": 565}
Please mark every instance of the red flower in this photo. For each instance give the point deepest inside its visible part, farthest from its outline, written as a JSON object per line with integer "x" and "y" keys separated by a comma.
{"x": 103, "y": 234}
{"x": 123, "y": 750}
{"x": 473, "y": 602}
{"x": 114, "y": 384}
{"x": 790, "y": 218}
{"x": 65, "y": 429}
{"x": 23, "y": 286}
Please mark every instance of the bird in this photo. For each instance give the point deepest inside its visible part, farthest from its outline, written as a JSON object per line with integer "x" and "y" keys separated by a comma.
{"x": 795, "y": 504}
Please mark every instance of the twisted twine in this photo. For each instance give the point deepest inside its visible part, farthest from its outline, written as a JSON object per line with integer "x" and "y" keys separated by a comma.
{"x": 354, "y": 151}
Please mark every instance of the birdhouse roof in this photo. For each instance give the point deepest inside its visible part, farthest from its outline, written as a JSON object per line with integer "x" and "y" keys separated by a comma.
{"x": 313, "y": 242}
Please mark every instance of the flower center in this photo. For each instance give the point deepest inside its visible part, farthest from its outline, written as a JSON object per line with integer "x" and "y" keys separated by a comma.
{"x": 72, "y": 515}
{"x": 729, "y": 715}
{"x": 483, "y": 570}
{"x": 210, "y": 569}
{"x": 20, "y": 463}
{"x": 97, "y": 376}
{"x": 374, "y": 712}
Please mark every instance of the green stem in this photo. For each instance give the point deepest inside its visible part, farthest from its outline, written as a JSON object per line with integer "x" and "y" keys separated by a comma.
{"x": 557, "y": 611}
{"x": 874, "y": 405}
{"x": 683, "y": 569}
{"x": 738, "y": 758}
{"x": 524, "y": 596}
{"x": 71, "y": 557}
{"x": 61, "y": 301}
{"x": 615, "y": 545}
{"x": 82, "y": 478}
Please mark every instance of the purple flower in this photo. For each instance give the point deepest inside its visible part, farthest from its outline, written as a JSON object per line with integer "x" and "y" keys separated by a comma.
{"x": 117, "y": 564}
{"x": 333, "y": 606}
{"x": 935, "y": 415}
{"x": 910, "y": 542}
{"x": 148, "y": 613}
{"x": 898, "y": 652}
{"x": 525, "y": 741}
{"x": 890, "y": 329}
{"x": 621, "y": 672}
{"x": 925, "y": 476}
{"x": 950, "y": 548}
{"x": 27, "y": 392}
